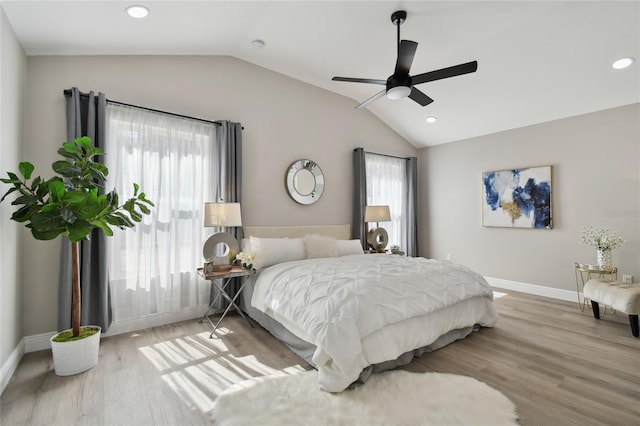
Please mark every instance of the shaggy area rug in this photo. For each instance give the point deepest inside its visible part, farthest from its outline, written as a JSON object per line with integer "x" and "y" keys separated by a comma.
{"x": 391, "y": 398}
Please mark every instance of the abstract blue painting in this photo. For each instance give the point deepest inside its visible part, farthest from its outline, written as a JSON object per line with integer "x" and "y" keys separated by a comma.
{"x": 517, "y": 198}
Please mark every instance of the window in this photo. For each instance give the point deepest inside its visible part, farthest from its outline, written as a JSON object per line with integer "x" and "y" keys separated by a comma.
{"x": 386, "y": 185}
{"x": 152, "y": 267}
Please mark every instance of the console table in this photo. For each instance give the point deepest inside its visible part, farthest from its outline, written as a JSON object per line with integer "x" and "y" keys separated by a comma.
{"x": 584, "y": 272}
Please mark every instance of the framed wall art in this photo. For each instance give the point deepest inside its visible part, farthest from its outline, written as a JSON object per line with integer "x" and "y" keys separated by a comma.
{"x": 517, "y": 198}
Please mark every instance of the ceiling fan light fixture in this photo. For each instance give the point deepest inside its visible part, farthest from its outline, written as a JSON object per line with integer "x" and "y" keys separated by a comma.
{"x": 623, "y": 63}
{"x": 398, "y": 92}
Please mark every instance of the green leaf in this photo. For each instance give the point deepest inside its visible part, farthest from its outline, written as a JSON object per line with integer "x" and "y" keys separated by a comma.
{"x": 25, "y": 199}
{"x": 75, "y": 197}
{"x": 47, "y": 221}
{"x": 47, "y": 235}
{"x": 79, "y": 232}
{"x": 96, "y": 174}
{"x": 136, "y": 187}
{"x": 144, "y": 209}
{"x": 65, "y": 168}
{"x": 24, "y": 213}
{"x": 99, "y": 168}
{"x": 26, "y": 168}
{"x": 88, "y": 211}
{"x": 7, "y": 193}
{"x": 71, "y": 148}
{"x": 56, "y": 189}
{"x": 13, "y": 178}
{"x": 84, "y": 142}
{"x": 102, "y": 224}
{"x": 50, "y": 207}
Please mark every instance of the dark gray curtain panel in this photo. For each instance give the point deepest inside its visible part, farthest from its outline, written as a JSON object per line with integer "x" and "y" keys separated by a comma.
{"x": 229, "y": 140}
{"x": 86, "y": 117}
{"x": 358, "y": 227}
{"x": 412, "y": 206}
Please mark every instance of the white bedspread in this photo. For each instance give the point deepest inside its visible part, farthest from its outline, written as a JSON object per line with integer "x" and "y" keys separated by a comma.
{"x": 355, "y": 308}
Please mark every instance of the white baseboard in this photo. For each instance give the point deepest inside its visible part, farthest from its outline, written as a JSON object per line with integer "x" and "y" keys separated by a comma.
{"x": 538, "y": 290}
{"x": 10, "y": 365}
{"x": 41, "y": 342}
{"x": 154, "y": 321}
{"x": 38, "y": 342}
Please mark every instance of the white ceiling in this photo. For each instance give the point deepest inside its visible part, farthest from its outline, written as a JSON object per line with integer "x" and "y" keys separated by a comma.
{"x": 537, "y": 61}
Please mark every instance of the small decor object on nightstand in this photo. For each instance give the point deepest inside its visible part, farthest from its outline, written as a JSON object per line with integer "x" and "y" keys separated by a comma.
{"x": 220, "y": 249}
{"x": 603, "y": 240}
{"x": 246, "y": 260}
{"x": 395, "y": 249}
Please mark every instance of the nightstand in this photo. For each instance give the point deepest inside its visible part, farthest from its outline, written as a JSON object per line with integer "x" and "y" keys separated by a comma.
{"x": 221, "y": 280}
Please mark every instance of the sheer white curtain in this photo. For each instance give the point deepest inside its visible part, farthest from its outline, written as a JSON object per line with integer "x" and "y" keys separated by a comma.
{"x": 386, "y": 185}
{"x": 152, "y": 267}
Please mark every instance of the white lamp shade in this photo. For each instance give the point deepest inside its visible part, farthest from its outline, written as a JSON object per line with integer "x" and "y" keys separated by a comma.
{"x": 377, "y": 214}
{"x": 222, "y": 214}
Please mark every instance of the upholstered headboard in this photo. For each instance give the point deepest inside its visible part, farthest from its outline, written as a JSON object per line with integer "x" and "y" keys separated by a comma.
{"x": 340, "y": 232}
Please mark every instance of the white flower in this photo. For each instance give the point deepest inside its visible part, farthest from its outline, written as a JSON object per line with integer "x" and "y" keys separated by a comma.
{"x": 246, "y": 259}
{"x": 601, "y": 238}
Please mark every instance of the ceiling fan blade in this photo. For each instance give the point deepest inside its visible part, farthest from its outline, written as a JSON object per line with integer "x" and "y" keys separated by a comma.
{"x": 372, "y": 99}
{"x": 406, "y": 52}
{"x": 420, "y": 97}
{"x": 360, "y": 80}
{"x": 453, "y": 71}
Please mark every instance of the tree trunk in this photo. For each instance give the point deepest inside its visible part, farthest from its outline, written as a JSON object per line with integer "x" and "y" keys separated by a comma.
{"x": 75, "y": 288}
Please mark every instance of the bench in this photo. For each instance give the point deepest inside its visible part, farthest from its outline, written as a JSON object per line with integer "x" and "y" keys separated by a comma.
{"x": 616, "y": 295}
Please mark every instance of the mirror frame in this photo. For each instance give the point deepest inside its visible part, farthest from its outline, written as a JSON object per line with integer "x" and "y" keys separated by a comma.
{"x": 318, "y": 178}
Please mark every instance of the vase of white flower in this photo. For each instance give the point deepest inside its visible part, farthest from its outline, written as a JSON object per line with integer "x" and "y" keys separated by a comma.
{"x": 603, "y": 259}
{"x": 603, "y": 240}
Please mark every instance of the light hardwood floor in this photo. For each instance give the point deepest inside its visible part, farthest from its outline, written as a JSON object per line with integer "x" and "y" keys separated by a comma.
{"x": 559, "y": 366}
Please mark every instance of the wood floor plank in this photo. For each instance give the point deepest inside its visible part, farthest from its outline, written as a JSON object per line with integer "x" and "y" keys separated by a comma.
{"x": 558, "y": 365}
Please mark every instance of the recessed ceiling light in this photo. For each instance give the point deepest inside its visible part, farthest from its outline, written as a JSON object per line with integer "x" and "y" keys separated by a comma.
{"x": 623, "y": 63}
{"x": 431, "y": 119}
{"x": 137, "y": 11}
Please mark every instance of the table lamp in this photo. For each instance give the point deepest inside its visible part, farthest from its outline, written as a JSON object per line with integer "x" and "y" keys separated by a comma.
{"x": 221, "y": 248}
{"x": 377, "y": 237}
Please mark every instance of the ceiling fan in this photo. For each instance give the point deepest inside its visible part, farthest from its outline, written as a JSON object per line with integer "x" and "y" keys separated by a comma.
{"x": 401, "y": 84}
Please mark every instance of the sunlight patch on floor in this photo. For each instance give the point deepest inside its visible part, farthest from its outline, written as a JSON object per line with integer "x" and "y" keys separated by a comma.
{"x": 498, "y": 294}
{"x": 198, "y": 369}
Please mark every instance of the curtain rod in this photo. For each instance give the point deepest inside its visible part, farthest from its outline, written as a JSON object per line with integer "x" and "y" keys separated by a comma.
{"x": 86, "y": 95}
{"x": 387, "y": 155}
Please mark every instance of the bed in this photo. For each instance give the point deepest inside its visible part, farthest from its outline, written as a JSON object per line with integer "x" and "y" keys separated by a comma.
{"x": 350, "y": 314}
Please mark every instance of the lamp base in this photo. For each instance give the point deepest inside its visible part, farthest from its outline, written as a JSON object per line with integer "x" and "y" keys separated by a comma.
{"x": 377, "y": 239}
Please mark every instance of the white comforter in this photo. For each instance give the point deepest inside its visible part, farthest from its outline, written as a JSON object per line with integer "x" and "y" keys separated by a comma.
{"x": 364, "y": 309}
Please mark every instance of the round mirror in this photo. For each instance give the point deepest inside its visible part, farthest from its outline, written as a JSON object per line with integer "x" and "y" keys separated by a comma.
{"x": 304, "y": 181}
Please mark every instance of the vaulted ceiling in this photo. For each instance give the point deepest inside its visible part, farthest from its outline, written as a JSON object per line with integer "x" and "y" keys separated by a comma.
{"x": 537, "y": 61}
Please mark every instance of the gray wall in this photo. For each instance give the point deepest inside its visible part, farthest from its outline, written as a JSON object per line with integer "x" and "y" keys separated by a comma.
{"x": 595, "y": 181}
{"x": 284, "y": 120}
{"x": 12, "y": 80}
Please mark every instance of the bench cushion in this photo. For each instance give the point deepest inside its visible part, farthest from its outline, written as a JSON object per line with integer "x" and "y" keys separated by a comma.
{"x": 615, "y": 294}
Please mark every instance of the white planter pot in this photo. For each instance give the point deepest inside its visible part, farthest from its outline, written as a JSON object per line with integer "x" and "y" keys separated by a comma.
{"x": 76, "y": 356}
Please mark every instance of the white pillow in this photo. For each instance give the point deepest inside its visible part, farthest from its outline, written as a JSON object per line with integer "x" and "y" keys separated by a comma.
{"x": 347, "y": 247}
{"x": 270, "y": 251}
{"x": 316, "y": 245}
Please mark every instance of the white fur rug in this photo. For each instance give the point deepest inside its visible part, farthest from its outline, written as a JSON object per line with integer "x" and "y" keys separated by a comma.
{"x": 391, "y": 398}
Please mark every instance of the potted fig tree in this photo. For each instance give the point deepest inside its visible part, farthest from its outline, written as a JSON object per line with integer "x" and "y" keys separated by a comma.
{"x": 71, "y": 204}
